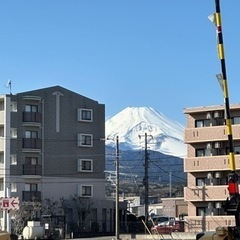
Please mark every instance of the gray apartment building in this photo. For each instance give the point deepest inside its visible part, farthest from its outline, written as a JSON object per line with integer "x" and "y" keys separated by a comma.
{"x": 207, "y": 165}
{"x": 50, "y": 147}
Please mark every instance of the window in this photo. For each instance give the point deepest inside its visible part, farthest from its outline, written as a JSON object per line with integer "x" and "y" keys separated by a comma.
{"x": 13, "y": 159}
{"x": 13, "y": 106}
{"x": 31, "y": 160}
{"x": 203, "y": 152}
{"x": 13, "y": 187}
{"x": 1, "y": 131}
{"x": 200, "y": 182}
{"x": 85, "y": 140}
{"x": 85, "y": 165}
{"x": 1, "y": 184}
{"x": 31, "y": 187}
{"x": 85, "y": 115}
{"x": 86, "y": 191}
{"x": 31, "y": 134}
{"x": 1, "y": 105}
{"x": 31, "y": 108}
{"x": 202, "y": 123}
{"x": 203, "y": 211}
{"x": 13, "y": 133}
{"x": 236, "y": 120}
{"x": 2, "y": 157}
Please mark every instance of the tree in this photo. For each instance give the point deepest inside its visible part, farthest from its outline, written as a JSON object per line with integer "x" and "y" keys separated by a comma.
{"x": 27, "y": 211}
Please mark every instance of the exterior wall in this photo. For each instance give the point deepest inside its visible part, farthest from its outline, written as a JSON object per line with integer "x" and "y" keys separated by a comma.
{"x": 173, "y": 207}
{"x": 206, "y": 185}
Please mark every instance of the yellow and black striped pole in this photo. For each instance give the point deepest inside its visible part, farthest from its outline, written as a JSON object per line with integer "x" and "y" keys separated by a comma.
{"x": 232, "y": 203}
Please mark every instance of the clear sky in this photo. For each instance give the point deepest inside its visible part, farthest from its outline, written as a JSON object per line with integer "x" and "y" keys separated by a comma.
{"x": 122, "y": 53}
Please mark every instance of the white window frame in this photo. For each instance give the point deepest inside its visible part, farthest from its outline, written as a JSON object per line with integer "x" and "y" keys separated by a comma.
{"x": 13, "y": 187}
{"x": 13, "y": 106}
{"x": 81, "y": 165}
{"x": 81, "y": 190}
{"x": 13, "y": 159}
{"x": 13, "y": 132}
{"x": 81, "y": 141}
{"x": 80, "y": 114}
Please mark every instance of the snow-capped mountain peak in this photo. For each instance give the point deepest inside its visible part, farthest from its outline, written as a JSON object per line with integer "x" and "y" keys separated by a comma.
{"x": 131, "y": 124}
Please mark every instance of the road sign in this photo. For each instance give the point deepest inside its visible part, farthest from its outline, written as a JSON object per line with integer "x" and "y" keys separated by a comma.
{"x": 9, "y": 203}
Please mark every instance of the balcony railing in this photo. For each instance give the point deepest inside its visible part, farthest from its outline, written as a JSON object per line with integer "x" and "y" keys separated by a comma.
{"x": 32, "y": 117}
{"x": 28, "y": 169}
{"x": 31, "y": 196}
{"x": 33, "y": 143}
{"x": 206, "y": 193}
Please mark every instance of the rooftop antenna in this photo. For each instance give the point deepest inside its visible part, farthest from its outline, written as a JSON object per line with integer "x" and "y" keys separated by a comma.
{"x": 9, "y": 85}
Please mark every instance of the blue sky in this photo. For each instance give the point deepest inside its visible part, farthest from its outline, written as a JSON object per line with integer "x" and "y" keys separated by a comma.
{"x": 122, "y": 53}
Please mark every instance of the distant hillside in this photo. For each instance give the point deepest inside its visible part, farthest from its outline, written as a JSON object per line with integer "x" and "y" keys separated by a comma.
{"x": 162, "y": 168}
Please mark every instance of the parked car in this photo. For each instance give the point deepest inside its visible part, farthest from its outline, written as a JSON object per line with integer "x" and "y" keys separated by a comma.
{"x": 169, "y": 226}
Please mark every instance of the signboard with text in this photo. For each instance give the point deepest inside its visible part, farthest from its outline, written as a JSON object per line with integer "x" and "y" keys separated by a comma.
{"x": 9, "y": 203}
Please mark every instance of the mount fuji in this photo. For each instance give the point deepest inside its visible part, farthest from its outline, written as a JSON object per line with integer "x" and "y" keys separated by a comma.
{"x": 133, "y": 123}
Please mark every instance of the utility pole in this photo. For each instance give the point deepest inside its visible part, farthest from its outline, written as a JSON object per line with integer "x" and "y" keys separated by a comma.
{"x": 117, "y": 189}
{"x": 146, "y": 179}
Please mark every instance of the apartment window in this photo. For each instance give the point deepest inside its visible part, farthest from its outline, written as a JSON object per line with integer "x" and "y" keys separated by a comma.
{"x": 237, "y": 149}
{"x": 13, "y": 133}
{"x": 31, "y": 187}
{"x": 1, "y": 131}
{"x": 1, "y": 184}
{"x": 203, "y": 211}
{"x": 236, "y": 120}
{"x": 31, "y": 108}
{"x": 85, "y": 140}
{"x": 202, "y": 123}
{"x": 85, "y": 115}
{"x": 86, "y": 191}
{"x": 1, "y": 105}
{"x": 85, "y": 165}
{"x": 13, "y": 187}
{"x": 1, "y": 157}
{"x": 13, "y": 106}
{"x": 31, "y": 134}
{"x": 200, "y": 152}
{"x": 13, "y": 159}
{"x": 31, "y": 160}
{"x": 200, "y": 182}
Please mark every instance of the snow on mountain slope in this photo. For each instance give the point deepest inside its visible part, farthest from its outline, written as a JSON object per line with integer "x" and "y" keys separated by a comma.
{"x": 163, "y": 134}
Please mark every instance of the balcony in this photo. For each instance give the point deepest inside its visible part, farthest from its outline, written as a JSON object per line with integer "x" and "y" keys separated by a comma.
{"x": 206, "y": 193}
{"x": 208, "y": 223}
{"x": 31, "y": 144}
{"x": 208, "y": 134}
{"x": 30, "y": 196}
{"x": 32, "y": 118}
{"x": 28, "y": 169}
{"x": 208, "y": 163}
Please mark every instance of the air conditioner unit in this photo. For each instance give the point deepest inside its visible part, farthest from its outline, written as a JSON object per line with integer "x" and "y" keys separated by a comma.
{"x": 210, "y": 205}
{"x": 218, "y": 205}
{"x": 209, "y": 145}
{"x": 209, "y": 175}
{"x": 217, "y": 114}
{"x": 217, "y": 145}
{"x": 218, "y": 175}
{"x": 209, "y": 115}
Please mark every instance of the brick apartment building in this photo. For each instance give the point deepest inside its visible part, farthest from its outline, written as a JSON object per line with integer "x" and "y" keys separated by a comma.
{"x": 50, "y": 148}
{"x": 207, "y": 165}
